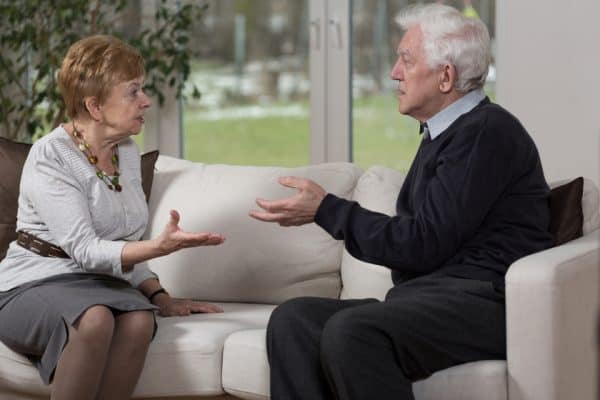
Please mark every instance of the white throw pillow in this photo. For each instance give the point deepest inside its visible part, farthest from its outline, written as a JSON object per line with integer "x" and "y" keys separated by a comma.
{"x": 377, "y": 190}
{"x": 259, "y": 262}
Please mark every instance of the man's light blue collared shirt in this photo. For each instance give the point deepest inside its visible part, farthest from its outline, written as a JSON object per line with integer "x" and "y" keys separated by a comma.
{"x": 443, "y": 119}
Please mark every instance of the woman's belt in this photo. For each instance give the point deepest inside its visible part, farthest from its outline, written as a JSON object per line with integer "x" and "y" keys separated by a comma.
{"x": 39, "y": 246}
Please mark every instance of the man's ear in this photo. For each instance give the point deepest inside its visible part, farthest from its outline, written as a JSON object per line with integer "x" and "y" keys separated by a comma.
{"x": 447, "y": 78}
{"x": 93, "y": 107}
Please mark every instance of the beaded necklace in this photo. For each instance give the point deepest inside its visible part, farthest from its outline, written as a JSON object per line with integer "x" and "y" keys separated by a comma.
{"x": 111, "y": 182}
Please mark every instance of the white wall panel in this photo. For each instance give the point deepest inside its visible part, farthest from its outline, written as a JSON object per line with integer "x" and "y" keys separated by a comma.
{"x": 549, "y": 77}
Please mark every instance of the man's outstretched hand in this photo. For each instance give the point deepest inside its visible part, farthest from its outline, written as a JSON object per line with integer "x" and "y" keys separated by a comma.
{"x": 296, "y": 210}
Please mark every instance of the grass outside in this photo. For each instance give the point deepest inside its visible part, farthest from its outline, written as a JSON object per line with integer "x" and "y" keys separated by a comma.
{"x": 381, "y": 136}
{"x": 269, "y": 140}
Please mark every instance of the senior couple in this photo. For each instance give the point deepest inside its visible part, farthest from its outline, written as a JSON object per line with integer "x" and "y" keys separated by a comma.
{"x": 474, "y": 201}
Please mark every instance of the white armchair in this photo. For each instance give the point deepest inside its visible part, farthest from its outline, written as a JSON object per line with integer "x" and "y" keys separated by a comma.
{"x": 552, "y": 302}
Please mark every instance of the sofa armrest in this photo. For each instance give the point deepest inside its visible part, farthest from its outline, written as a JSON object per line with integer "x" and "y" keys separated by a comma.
{"x": 552, "y": 307}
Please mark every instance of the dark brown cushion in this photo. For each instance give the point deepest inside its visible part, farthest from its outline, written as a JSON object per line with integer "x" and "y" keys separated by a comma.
{"x": 566, "y": 213}
{"x": 148, "y": 161}
{"x": 12, "y": 158}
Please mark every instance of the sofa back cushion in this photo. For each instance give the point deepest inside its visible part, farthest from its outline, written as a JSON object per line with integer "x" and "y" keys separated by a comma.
{"x": 590, "y": 201}
{"x": 590, "y": 204}
{"x": 12, "y": 158}
{"x": 259, "y": 262}
{"x": 566, "y": 213}
{"x": 147, "y": 162}
{"x": 377, "y": 190}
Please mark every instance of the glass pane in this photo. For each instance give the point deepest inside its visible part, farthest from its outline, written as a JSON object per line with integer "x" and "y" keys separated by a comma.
{"x": 381, "y": 135}
{"x": 252, "y": 71}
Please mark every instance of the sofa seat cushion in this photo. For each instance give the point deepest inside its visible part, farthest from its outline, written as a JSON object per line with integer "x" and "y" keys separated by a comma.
{"x": 245, "y": 365}
{"x": 246, "y": 374}
{"x": 473, "y": 381}
{"x": 18, "y": 374}
{"x": 184, "y": 358}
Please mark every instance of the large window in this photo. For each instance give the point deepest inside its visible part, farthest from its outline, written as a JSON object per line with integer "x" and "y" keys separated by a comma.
{"x": 289, "y": 82}
{"x": 381, "y": 135}
{"x": 252, "y": 72}
{"x": 279, "y": 86}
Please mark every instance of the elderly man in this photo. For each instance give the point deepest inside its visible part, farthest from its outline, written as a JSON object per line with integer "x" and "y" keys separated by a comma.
{"x": 473, "y": 202}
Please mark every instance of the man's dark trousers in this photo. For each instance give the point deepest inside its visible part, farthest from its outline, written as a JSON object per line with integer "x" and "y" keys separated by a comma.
{"x": 366, "y": 349}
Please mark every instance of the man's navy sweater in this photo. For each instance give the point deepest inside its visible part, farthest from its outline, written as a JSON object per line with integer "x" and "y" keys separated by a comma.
{"x": 474, "y": 201}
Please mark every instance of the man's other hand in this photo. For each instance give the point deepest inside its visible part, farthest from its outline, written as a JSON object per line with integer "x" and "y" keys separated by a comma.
{"x": 296, "y": 210}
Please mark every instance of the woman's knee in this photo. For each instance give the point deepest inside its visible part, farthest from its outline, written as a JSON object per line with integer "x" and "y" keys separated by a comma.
{"x": 136, "y": 326}
{"x": 95, "y": 326}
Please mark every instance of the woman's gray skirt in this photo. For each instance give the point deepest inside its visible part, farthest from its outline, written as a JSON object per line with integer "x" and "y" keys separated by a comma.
{"x": 35, "y": 316}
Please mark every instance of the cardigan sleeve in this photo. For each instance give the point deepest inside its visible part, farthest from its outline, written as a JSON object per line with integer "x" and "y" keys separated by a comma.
{"x": 141, "y": 272}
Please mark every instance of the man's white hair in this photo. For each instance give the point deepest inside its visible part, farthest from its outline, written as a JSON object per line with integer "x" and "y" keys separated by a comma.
{"x": 451, "y": 38}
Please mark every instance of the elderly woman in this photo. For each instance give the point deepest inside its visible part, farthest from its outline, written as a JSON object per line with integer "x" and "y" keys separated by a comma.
{"x": 74, "y": 297}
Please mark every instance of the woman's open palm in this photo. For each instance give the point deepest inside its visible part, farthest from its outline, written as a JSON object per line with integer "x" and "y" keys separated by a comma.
{"x": 173, "y": 238}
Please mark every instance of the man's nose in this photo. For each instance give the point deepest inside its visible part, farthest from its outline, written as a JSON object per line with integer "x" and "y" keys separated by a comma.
{"x": 397, "y": 73}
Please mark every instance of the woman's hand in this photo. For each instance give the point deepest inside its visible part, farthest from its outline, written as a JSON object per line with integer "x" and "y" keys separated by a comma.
{"x": 170, "y": 240}
{"x": 173, "y": 238}
{"x": 172, "y": 307}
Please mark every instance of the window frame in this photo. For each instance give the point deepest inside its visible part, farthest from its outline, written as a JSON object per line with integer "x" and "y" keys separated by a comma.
{"x": 331, "y": 80}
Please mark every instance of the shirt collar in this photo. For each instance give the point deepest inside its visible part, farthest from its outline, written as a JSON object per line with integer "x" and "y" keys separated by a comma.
{"x": 443, "y": 119}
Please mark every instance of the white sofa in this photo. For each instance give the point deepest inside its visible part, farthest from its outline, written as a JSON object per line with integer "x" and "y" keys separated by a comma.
{"x": 552, "y": 296}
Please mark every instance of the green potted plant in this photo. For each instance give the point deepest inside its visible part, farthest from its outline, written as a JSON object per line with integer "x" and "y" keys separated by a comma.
{"x": 35, "y": 35}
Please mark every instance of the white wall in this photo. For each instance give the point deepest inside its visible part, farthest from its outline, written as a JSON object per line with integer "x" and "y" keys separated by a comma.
{"x": 548, "y": 60}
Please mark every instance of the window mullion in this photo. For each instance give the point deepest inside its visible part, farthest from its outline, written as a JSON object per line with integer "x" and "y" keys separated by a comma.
{"x": 330, "y": 73}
